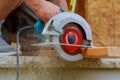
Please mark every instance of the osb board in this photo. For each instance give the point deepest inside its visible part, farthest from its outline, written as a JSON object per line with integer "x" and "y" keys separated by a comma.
{"x": 117, "y": 22}
{"x": 6, "y": 6}
{"x": 100, "y": 17}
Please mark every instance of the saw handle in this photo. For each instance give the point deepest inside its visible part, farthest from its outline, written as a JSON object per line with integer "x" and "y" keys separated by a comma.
{"x": 39, "y": 24}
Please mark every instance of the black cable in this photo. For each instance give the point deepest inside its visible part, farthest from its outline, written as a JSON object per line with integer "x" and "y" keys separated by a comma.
{"x": 17, "y": 50}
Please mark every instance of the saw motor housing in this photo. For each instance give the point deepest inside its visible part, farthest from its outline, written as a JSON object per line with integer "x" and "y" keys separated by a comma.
{"x": 71, "y": 35}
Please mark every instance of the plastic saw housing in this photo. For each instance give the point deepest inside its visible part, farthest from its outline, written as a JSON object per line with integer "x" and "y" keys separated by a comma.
{"x": 71, "y": 27}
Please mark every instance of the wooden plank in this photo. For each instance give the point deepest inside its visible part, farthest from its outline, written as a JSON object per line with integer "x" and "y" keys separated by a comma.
{"x": 101, "y": 52}
{"x": 95, "y": 52}
{"x": 114, "y": 52}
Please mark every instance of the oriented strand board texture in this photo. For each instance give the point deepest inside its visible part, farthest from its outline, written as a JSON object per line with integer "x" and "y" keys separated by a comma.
{"x": 100, "y": 17}
{"x": 104, "y": 19}
{"x": 117, "y": 22}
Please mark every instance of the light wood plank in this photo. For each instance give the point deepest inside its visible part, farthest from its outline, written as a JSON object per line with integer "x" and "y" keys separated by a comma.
{"x": 101, "y": 52}
{"x": 95, "y": 52}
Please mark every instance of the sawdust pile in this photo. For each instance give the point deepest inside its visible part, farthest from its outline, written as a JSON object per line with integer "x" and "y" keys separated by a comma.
{"x": 41, "y": 71}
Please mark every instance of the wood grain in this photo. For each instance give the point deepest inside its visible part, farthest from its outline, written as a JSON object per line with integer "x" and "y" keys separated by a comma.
{"x": 101, "y": 52}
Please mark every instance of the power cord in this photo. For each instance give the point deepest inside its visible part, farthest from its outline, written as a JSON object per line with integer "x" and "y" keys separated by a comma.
{"x": 18, "y": 49}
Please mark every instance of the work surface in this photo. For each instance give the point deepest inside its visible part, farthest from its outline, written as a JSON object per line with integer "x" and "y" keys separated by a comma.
{"x": 56, "y": 62}
{"x": 48, "y": 58}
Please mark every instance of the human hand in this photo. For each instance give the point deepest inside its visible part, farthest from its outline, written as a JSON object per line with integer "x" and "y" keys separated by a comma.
{"x": 47, "y": 11}
{"x": 44, "y": 10}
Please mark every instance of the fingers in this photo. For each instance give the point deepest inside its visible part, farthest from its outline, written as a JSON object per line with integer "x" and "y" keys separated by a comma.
{"x": 45, "y": 10}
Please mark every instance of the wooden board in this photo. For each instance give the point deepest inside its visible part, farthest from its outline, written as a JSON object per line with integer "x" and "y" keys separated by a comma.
{"x": 101, "y": 52}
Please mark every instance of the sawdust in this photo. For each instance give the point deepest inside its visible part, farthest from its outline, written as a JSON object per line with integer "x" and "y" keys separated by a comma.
{"x": 26, "y": 39}
{"x": 40, "y": 71}
{"x": 29, "y": 50}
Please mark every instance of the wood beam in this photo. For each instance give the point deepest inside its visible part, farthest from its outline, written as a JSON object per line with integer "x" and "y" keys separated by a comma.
{"x": 101, "y": 52}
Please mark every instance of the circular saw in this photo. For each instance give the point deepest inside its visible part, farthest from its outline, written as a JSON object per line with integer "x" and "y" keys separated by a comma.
{"x": 69, "y": 33}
